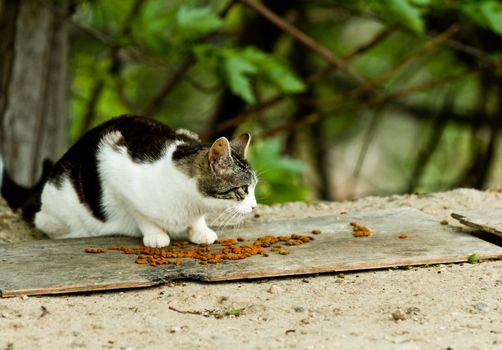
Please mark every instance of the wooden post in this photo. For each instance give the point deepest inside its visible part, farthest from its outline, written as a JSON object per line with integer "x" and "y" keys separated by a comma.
{"x": 33, "y": 85}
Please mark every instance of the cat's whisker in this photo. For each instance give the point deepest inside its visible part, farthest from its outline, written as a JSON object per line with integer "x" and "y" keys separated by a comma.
{"x": 232, "y": 216}
{"x": 259, "y": 173}
{"x": 239, "y": 222}
{"x": 229, "y": 212}
{"x": 220, "y": 215}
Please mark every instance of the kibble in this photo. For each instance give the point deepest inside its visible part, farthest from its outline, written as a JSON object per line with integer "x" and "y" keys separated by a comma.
{"x": 228, "y": 249}
{"x": 359, "y": 230}
{"x": 94, "y": 250}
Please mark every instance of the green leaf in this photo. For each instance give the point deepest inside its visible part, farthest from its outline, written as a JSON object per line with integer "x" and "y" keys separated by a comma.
{"x": 238, "y": 66}
{"x": 404, "y": 12}
{"x": 275, "y": 71}
{"x": 236, "y": 71}
{"x": 199, "y": 20}
{"x": 492, "y": 12}
{"x": 487, "y": 13}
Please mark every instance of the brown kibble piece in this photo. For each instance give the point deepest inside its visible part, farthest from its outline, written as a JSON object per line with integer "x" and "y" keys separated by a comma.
{"x": 444, "y": 222}
{"x": 316, "y": 232}
{"x": 94, "y": 250}
{"x": 360, "y": 231}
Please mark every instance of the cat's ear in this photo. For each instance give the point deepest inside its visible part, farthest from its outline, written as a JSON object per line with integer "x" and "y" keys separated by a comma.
{"x": 219, "y": 156}
{"x": 241, "y": 144}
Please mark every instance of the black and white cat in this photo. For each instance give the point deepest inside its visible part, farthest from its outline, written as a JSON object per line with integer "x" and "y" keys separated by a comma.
{"x": 137, "y": 177}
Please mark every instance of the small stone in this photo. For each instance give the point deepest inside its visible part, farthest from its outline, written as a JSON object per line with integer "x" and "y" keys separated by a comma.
{"x": 222, "y": 299}
{"x": 412, "y": 310}
{"x": 275, "y": 289}
{"x": 175, "y": 329}
{"x": 299, "y": 309}
{"x": 481, "y": 307}
{"x": 399, "y": 315}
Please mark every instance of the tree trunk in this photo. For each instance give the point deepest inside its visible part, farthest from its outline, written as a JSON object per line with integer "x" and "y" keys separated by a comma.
{"x": 33, "y": 85}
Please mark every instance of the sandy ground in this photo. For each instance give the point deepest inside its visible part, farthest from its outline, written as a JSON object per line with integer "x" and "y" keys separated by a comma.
{"x": 455, "y": 306}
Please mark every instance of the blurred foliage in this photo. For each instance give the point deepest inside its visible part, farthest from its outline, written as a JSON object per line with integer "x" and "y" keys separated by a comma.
{"x": 278, "y": 175}
{"x": 198, "y": 50}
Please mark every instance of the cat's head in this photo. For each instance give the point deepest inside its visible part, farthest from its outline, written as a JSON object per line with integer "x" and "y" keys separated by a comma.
{"x": 228, "y": 180}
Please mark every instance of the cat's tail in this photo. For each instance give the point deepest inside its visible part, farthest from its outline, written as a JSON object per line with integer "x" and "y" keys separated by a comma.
{"x": 26, "y": 198}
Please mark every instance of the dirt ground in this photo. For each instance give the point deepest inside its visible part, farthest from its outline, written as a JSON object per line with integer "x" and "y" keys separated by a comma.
{"x": 456, "y": 306}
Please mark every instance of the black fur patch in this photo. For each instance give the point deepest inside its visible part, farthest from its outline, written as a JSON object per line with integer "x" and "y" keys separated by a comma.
{"x": 189, "y": 149}
{"x": 28, "y": 199}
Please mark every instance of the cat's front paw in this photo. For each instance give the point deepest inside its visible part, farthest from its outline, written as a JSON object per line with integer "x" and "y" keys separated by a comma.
{"x": 156, "y": 240}
{"x": 200, "y": 235}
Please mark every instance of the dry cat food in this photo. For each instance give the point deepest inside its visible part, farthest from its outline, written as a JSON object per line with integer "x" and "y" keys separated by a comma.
{"x": 359, "y": 230}
{"x": 402, "y": 236}
{"x": 94, "y": 250}
{"x": 228, "y": 249}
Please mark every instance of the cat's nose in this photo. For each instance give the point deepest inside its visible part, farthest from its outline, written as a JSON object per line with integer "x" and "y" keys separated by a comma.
{"x": 253, "y": 206}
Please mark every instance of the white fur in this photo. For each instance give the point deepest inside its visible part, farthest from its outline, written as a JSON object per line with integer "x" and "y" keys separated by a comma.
{"x": 188, "y": 133}
{"x": 153, "y": 200}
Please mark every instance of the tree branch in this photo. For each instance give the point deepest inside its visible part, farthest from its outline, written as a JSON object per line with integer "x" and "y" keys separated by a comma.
{"x": 113, "y": 70}
{"x": 424, "y": 156}
{"x": 373, "y": 84}
{"x": 303, "y": 38}
{"x": 155, "y": 104}
{"x": 240, "y": 118}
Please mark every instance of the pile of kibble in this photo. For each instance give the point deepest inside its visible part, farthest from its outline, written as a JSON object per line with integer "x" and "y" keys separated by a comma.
{"x": 224, "y": 249}
{"x": 360, "y": 230}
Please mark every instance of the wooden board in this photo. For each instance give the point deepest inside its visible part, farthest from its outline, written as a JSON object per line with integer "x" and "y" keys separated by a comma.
{"x": 61, "y": 266}
{"x": 488, "y": 221}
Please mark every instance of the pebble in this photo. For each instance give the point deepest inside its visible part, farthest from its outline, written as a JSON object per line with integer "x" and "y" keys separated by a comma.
{"x": 275, "y": 289}
{"x": 299, "y": 309}
{"x": 175, "y": 329}
{"x": 481, "y": 307}
{"x": 399, "y": 315}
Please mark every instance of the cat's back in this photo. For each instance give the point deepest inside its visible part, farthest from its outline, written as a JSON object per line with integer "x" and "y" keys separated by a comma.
{"x": 144, "y": 138}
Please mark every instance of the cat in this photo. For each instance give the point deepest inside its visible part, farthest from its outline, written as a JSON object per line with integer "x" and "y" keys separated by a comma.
{"x": 135, "y": 176}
